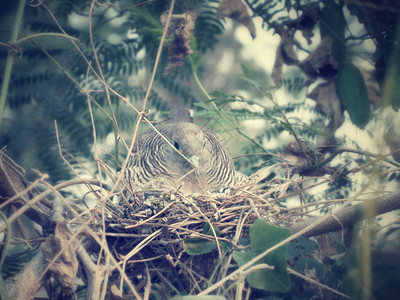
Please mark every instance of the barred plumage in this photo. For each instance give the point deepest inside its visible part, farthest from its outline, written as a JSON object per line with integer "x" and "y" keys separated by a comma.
{"x": 199, "y": 160}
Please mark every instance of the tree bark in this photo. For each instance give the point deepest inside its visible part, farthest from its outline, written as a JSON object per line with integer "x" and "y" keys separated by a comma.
{"x": 347, "y": 217}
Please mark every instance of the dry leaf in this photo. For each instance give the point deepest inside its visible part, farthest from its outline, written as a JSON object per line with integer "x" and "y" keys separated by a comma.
{"x": 237, "y": 10}
{"x": 65, "y": 267}
{"x": 329, "y": 105}
{"x": 284, "y": 54}
{"x": 395, "y": 147}
{"x": 182, "y": 27}
{"x": 297, "y": 156}
{"x": 392, "y": 138}
{"x": 320, "y": 62}
{"x": 287, "y": 49}
{"x": 278, "y": 66}
{"x": 306, "y": 22}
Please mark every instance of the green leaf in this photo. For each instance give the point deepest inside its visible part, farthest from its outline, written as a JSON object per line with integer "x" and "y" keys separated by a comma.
{"x": 333, "y": 24}
{"x": 209, "y": 231}
{"x": 245, "y": 70}
{"x": 257, "y": 86}
{"x": 263, "y": 236}
{"x": 319, "y": 268}
{"x": 300, "y": 264}
{"x": 301, "y": 246}
{"x": 353, "y": 94}
{"x": 144, "y": 14}
{"x": 198, "y": 246}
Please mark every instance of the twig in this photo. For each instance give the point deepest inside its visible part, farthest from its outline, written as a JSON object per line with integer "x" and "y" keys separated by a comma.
{"x": 101, "y": 243}
{"x": 72, "y": 79}
{"x": 117, "y": 130}
{"x": 19, "y": 194}
{"x": 208, "y": 221}
{"x": 136, "y": 250}
{"x": 218, "y": 110}
{"x": 112, "y": 118}
{"x": 94, "y": 273}
{"x": 338, "y": 151}
{"x": 43, "y": 195}
{"x": 43, "y": 34}
{"x": 291, "y": 129}
{"x": 3, "y": 291}
{"x": 291, "y": 271}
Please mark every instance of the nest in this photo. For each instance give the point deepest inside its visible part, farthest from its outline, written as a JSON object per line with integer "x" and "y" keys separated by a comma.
{"x": 155, "y": 241}
{"x": 178, "y": 241}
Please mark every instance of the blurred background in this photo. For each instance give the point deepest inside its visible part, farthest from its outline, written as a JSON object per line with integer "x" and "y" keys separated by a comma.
{"x": 281, "y": 81}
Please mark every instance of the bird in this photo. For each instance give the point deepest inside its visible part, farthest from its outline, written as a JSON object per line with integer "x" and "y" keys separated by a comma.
{"x": 180, "y": 155}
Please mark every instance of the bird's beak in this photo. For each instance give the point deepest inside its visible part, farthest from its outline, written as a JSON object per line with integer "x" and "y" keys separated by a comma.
{"x": 195, "y": 160}
{"x": 201, "y": 179}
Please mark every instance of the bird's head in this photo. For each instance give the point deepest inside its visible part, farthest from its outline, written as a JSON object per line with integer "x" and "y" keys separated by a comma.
{"x": 189, "y": 151}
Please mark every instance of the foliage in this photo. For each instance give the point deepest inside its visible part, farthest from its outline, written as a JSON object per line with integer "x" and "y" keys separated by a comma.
{"x": 46, "y": 94}
{"x": 301, "y": 254}
{"x": 198, "y": 246}
{"x": 353, "y": 93}
{"x": 80, "y": 77}
{"x": 264, "y": 236}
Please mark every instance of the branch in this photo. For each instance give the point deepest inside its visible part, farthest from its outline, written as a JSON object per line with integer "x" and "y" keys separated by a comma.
{"x": 43, "y": 34}
{"x": 15, "y": 188}
{"x": 347, "y": 217}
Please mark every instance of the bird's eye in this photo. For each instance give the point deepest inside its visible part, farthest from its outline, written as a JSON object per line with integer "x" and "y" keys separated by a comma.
{"x": 176, "y": 145}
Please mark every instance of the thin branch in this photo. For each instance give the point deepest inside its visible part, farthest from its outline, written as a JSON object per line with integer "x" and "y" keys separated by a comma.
{"x": 291, "y": 271}
{"x": 100, "y": 70}
{"x": 220, "y": 112}
{"x": 76, "y": 83}
{"x": 85, "y": 228}
{"x": 338, "y": 151}
{"x": 3, "y": 291}
{"x": 44, "y": 34}
{"x": 42, "y": 196}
